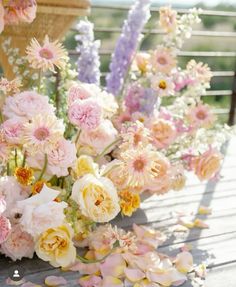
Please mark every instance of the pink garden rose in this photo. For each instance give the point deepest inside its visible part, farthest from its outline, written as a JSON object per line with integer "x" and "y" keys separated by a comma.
{"x": 85, "y": 114}
{"x": 163, "y": 133}
{"x": 207, "y": 165}
{"x": 99, "y": 138}
{"x": 19, "y": 244}
{"x": 27, "y": 105}
{"x": 12, "y": 130}
{"x": 59, "y": 159}
{"x": 78, "y": 92}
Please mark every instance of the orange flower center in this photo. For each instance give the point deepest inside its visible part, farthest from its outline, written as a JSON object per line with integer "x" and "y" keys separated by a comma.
{"x": 162, "y": 85}
{"x": 139, "y": 164}
{"x": 162, "y": 60}
{"x": 201, "y": 115}
{"x": 41, "y": 133}
{"x": 46, "y": 54}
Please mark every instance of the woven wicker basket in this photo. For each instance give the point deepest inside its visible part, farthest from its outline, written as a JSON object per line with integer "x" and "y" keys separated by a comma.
{"x": 54, "y": 18}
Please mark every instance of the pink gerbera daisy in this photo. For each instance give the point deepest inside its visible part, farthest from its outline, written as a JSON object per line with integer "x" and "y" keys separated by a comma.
{"x": 201, "y": 116}
{"x": 42, "y": 133}
{"x": 163, "y": 60}
{"x": 47, "y": 56}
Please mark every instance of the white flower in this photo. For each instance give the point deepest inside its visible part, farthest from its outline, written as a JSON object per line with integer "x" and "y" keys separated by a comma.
{"x": 40, "y": 212}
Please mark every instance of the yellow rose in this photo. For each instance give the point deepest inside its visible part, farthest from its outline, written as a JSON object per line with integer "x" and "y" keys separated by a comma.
{"x": 85, "y": 165}
{"x": 96, "y": 197}
{"x": 207, "y": 165}
{"x": 55, "y": 245}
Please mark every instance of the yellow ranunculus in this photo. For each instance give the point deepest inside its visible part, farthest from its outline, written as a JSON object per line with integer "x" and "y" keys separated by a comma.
{"x": 55, "y": 245}
{"x": 96, "y": 197}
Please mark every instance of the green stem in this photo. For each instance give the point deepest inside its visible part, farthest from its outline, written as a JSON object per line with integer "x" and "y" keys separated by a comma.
{"x": 106, "y": 149}
{"x": 24, "y": 160}
{"x": 8, "y": 169}
{"x": 77, "y": 137}
{"x": 1, "y": 118}
{"x": 44, "y": 167}
{"x": 39, "y": 82}
{"x": 15, "y": 158}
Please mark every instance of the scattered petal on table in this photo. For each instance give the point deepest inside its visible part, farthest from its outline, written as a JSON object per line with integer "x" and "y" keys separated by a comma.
{"x": 200, "y": 223}
{"x": 90, "y": 281}
{"x": 201, "y": 270}
{"x": 55, "y": 281}
{"x": 184, "y": 262}
{"x": 113, "y": 266}
{"x": 83, "y": 268}
{"x": 110, "y": 281}
{"x": 179, "y": 228}
{"x": 204, "y": 210}
{"x": 134, "y": 275}
{"x": 187, "y": 222}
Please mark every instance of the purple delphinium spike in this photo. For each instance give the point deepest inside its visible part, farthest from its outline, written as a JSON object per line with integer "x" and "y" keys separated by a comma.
{"x": 127, "y": 45}
{"x": 88, "y": 61}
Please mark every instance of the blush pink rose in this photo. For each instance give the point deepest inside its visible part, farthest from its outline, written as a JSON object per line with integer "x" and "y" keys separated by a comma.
{"x": 99, "y": 138}
{"x": 59, "y": 159}
{"x": 12, "y": 130}
{"x": 19, "y": 244}
{"x": 163, "y": 133}
{"x": 27, "y": 105}
{"x": 5, "y": 228}
{"x": 207, "y": 165}
{"x": 85, "y": 114}
{"x": 78, "y": 92}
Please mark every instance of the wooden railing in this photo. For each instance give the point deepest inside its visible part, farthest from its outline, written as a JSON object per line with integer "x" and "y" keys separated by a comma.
{"x": 230, "y": 92}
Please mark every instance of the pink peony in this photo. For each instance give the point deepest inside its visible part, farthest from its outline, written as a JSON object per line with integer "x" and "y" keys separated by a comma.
{"x": 78, "y": 92}
{"x": 85, "y": 114}
{"x": 99, "y": 138}
{"x": 59, "y": 159}
{"x": 12, "y": 130}
{"x": 5, "y": 228}
{"x": 27, "y": 105}
{"x": 3, "y": 205}
{"x": 19, "y": 244}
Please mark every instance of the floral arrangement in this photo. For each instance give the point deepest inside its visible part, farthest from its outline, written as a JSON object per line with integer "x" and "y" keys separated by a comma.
{"x": 74, "y": 160}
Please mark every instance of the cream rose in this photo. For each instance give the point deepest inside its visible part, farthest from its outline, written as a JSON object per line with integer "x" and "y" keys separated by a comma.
{"x": 55, "y": 245}
{"x": 97, "y": 198}
{"x": 207, "y": 165}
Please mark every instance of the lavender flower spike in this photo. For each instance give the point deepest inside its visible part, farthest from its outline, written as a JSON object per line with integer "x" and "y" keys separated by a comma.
{"x": 127, "y": 45}
{"x": 88, "y": 61}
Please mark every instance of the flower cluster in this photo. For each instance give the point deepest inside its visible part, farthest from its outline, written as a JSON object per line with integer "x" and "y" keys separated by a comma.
{"x": 64, "y": 173}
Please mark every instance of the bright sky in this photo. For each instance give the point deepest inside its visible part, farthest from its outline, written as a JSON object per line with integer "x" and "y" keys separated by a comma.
{"x": 166, "y": 2}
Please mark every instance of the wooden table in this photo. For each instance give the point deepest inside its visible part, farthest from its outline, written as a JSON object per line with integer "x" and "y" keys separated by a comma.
{"x": 216, "y": 245}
